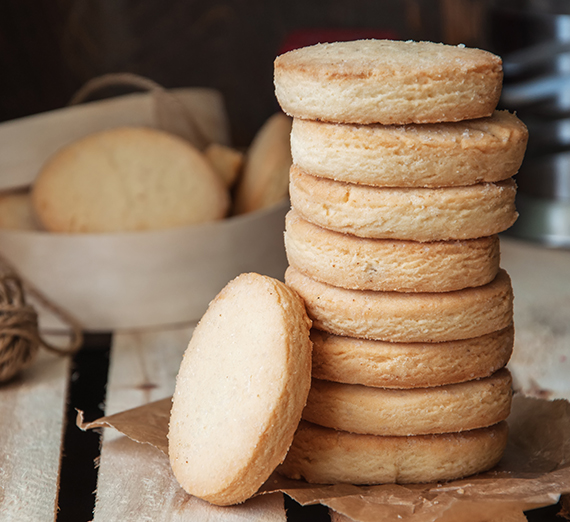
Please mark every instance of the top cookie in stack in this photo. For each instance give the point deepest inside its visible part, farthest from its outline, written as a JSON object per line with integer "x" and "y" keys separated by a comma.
{"x": 388, "y": 82}
{"x": 401, "y": 181}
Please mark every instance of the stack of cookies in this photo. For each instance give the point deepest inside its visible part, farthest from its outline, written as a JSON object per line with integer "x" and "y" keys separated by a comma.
{"x": 401, "y": 181}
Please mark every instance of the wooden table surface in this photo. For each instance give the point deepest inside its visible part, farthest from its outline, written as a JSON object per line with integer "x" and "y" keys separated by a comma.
{"x": 46, "y": 461}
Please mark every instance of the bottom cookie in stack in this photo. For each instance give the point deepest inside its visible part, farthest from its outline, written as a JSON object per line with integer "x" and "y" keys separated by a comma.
{"x": 326, "y": 456}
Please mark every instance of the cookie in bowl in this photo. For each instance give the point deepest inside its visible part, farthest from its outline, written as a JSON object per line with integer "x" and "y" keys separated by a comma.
{"x": 127, "y": 179}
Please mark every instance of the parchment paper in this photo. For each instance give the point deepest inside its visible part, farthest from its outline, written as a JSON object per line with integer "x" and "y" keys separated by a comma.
{"x": 111, "y": 282}
{"x": 534, "y": 471}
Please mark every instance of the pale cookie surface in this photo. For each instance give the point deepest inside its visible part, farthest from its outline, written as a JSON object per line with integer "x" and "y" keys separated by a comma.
{"x": 240, "y": 391}
{"x": 389, "y": 82}
{"x": 227, "y": 162}
{"x": 431, "y": 155}
{"x": 409, "y": 365}
{"x": 265, "y": 177}
{"x": 416, "y": 411}
{"x": 389, "y": 264}
{"x": 326, "y": 456}
{"x": 417, "y": 214}
{"x": 406, "y": 317}
{"x": 127, "y": 179}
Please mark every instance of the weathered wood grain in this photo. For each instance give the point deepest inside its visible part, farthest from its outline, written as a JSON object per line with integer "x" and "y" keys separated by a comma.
{"x": 135, "y": 481}
{"x": 32, "y": 409}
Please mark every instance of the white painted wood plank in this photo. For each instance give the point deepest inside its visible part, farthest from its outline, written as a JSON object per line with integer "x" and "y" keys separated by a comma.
{"x": 135, "y": 480}
{"x": 541, "y": 283}
{"x": 32, "y": 412}
{"x": 143, "y": 366}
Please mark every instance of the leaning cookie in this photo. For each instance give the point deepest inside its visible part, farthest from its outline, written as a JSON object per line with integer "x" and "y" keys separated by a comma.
{"x": 388, "y": 82}
{"x": 389, "y": 264}
{"x": 406, "y": 317}
{"x": 240, "y": 390}
{"x": 127, "y": 179}
{"x": 416, "y": 411}
{"x": 409, "y": 365}
{"x": 432, "y": 155}
{"x": 417, "y": 214}
{"x": 325, "y": 456}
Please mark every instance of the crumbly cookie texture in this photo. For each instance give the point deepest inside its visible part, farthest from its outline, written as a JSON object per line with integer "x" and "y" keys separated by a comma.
{"x": 325, "y": 456}
{"x": 417, "y": 214}
{"x": 409, "y": 365}
{"x": 240, "y": 390}
{"x": 127, "y": 179}
{"x": 432, "y": 155}
{"x": 407, "y": 317}
{"x": 388, "y": 82}
{"x": 418, "y": 411}
{"x": 397, "y": 265}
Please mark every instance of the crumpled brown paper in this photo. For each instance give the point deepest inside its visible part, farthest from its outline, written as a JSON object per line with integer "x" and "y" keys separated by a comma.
{"x": 534, "y": 471}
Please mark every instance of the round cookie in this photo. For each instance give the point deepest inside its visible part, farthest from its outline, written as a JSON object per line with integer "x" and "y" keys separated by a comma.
{"x": 406, "y": 317}
{"x": 409, "y": 365}
{"x": 326, "y": 456}
{"x": 388, "y": 82}
{"x": 127, "y": 179}
{"x": 265, "y": 177}
{"x": 432, "y": 155}
{"x": 240, "y": 390}
{"x": 387, "y": 265}
{"x": 417, "y": 214}
{"x": 226, "y": 161}
{"x": 416, "y": 411}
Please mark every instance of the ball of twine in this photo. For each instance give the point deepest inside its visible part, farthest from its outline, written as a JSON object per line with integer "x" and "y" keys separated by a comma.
{"x": 20, "y": 339}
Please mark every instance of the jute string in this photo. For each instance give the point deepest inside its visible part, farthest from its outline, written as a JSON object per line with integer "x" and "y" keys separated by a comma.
{"x": 20, "y": 339}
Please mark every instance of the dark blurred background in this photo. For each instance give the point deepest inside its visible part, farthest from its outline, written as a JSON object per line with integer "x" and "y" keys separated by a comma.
{"x": 50, "y": 48}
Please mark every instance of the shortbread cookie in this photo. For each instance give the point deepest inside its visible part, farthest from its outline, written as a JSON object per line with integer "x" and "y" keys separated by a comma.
{"x": 406, "y": 317}
{"x": 240, "y": 391}
{"x": 265, "y": 177}
{"x": 326, "y": 456}
{"x": 227, "y": 162}
{"x": 389, "y": 82}
{"x": 409, "y": 365}
{"x": 127, "y": 179}
{"x": 417, "y": 214}
{"x": 431, "y": 155}
{"x": 389, "y": 264}
{"x": 16, "y": 211}
{"x": 416, "y": 411}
